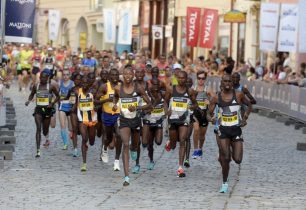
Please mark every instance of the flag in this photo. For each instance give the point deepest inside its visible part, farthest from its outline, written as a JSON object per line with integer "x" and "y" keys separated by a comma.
{"x": 54, "y": 22}
{"x": 209, "y": 27}
{"x": 193, "y": 26}
{"x": 109, "y": 25}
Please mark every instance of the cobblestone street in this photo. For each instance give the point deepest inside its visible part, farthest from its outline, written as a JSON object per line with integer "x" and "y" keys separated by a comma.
{"x": 271, "y": 176}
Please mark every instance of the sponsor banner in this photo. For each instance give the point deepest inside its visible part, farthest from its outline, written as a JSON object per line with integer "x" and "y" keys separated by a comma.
{"x": 125, "y": 28}
{"x": 287, "y": 99}
{"x": 54, "y": 23}
{"x": 19, "y": 20}
{"x": 193, "y": 26}
{"x": 157, "y": 32}
{"x": 288, "y": 28}
{"x": 234, "y": 16}
{"x": 209, "y": 27}
{"x": 168, "y": 31}
{"x": 302, "y": 28}
{"x": 109, "y": 25}
{"x": 269, "y": 15}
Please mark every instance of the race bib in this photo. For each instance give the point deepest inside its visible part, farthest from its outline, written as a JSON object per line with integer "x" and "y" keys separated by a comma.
{"x": 125, "y": 103}
{"x": 202, "y": 104}
{"x": 229, "y": 120}
{"x": 162, "y": 72}
{"x": 42, "y": 101}
{"x": 36, "y": 64}
{"x": 86, "y": 105}
{"x": 72, "y": 100}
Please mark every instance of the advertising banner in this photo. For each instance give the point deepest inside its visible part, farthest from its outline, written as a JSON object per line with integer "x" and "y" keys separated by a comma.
{"x": 209, "y": 27}
{"x": 54, "y": 23}
{"x": 19, "y": 21}
{"x": 288, "y": 28}
{"x": 302, "y": 28}
{"x": 269, "y": 18}
{"x": 193, "y": 26}
{"x": 109, "y": 25}
{"x": 157, "y": 32}
{"x": 125, "y": 27}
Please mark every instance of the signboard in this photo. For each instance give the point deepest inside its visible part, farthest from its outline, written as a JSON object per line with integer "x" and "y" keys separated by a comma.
{"x": 193, "y": 25}
{"x": 234, "y": 16}
{"x": 209, "y": 27}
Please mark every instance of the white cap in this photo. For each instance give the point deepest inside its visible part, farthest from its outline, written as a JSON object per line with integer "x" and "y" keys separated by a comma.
{"x": 50, "y": 49}
{"x": 177, "y": 66}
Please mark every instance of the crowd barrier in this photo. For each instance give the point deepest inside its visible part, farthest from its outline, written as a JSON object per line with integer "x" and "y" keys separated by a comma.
{"x": 286, "y": 99}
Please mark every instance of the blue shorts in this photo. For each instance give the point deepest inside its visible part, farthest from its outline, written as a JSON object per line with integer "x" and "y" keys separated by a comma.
{"x": 109, "y": 119}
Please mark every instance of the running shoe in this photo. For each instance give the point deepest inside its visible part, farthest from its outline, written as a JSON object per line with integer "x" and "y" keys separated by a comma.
{"x": 133, "y": 155}
{"x": 167, "y": 146}
{"x": 195, "y": 154}
{"x": 65, "y": 147}
{"x": 151, "y": 165}
{"x": 200, "y": 153}
{"x": 104, "y": 156}
{"x": 136, "y": 169}
{"x": 180, "y": 172}
{"x": 75, "y": 153}
{"x": 224, "y": 188}
{"x": 116, "y": 165}
{"x": 38, "y": 153}
{"x": 47, "y": 143}
{"x": 186, "y": 163}
{"x": 126, "y": 181}
{"x": 83, "y": 167}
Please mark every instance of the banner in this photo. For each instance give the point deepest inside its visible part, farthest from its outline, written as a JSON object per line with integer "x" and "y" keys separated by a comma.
{"x": 302, "y": 28}
{"x": 125, "y": 28}
{"x": 193, "y": 26}
{"x": 54, "y": 23}
{"x": 109, "y": 25}
{"x": 288, "y": 28}
{"x": 168, "y": 31}
{"x": 157, "y": 32}
{"x": 269, "y": 15}
{"x": 209, "y": 27}
{"x": 19, "y": 21}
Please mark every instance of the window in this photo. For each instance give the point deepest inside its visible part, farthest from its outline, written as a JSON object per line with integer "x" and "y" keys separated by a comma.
{"x": 96, "y": 5}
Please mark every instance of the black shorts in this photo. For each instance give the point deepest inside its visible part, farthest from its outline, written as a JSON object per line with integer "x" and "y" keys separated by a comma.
{"x": 67, "y": 113}
{"x": 158, "y": 124}
{"x": 175, "y": 126}
{"x": 134, "y": 124}
{"x": 35, "y": 70}
{"x": 44, "y": 111}
{"x": 234, "y": 133}
{"x": 99, "y": 115}
{"x": 201, "y": 118}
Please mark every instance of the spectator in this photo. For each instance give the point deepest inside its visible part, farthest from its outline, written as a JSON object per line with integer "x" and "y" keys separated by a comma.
{"x": 89, "y": 61}
{"x": 283, "y": 75}
{"x": 251, "y": 74}
{"x": 286, "y": 59}
{"x": 259, "y": 70}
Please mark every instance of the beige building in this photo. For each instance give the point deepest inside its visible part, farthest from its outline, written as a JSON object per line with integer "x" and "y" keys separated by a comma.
{"x": 81, "y": 22}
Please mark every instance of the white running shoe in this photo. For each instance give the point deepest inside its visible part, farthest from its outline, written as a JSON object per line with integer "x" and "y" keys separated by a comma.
{"x": 116, "y": 165}
{"x": 104, "y": 156}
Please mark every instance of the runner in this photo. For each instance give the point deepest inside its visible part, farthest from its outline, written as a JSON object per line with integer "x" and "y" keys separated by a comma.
{"x": 178, "y": 98}
{"x": 153, "y": 121}
{"x": 200, "y": 121}
{"x": 129, "y": 121}
{"x": 87, "y": 117}
{"x": 109, "y": 117}
{"x": 43, "y": 110}
{"x": 36, "y": 63}
{"x": 65, "y": 107}
{"x": 239, "y": 87}
{"x": 229, "y": 104}
{"x": 190, "y": 128}
{"x": 25, "y": 61}
{"x": 73, "y": 92}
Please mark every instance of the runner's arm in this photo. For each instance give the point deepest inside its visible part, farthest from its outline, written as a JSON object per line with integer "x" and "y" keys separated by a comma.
{"x": 248, "y": 94}
{"x": 31, "y": 96}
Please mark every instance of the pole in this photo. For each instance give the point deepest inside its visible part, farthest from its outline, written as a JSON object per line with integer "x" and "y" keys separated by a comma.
{"x": 3, "y": 3}
{"x": 279, "y": 15}
{"x": 231, "y": 31}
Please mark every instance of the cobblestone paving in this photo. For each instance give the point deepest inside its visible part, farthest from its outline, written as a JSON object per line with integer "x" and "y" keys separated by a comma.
{"x": 272, "y": 175}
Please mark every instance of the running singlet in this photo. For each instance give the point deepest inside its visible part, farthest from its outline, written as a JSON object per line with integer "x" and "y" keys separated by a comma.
{"x": 49, "y": 63}
{"x": 65, "y": 105}
{"x": 179, "y": 104}
{"x": 43, "y": 97}
{"x": 202, "y": 99}
{"x": 36, "y": 61}
{"x": 157, "y": 113}
{"x": 24, "y": 59}
{"x": 230, "y": 112}
{"x": 108, "y": 106}
{"x": 127, "y": 100}
{"x": 86, "y": 112}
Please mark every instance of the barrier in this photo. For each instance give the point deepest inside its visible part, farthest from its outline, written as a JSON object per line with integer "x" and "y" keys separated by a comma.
{"x": 286, "y": 99}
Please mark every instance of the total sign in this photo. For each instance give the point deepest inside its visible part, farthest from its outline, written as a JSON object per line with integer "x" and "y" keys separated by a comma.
{"x": 193, "y": 25}
{"x": 209, "y": 26}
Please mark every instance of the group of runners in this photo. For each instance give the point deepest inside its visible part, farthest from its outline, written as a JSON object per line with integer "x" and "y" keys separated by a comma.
{"x": 133, "y": 107}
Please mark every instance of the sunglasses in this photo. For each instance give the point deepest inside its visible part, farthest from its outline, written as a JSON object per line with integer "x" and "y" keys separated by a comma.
{"x": 201, "y": 78}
